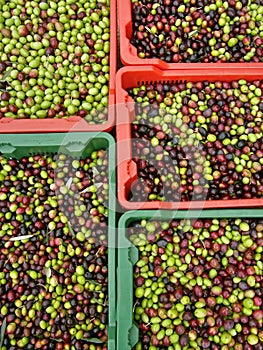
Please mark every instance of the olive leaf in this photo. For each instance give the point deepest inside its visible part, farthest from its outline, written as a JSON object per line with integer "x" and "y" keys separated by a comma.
{"x": 69, "y": 182}
{"x": 2, "y": 332}
{"x": 97, "y": 301}
{"x": 20, "y": 238}
{"x": 47, "y": 271}
{"x": 134, "y": 306}
{"x": 94, "y": 282}
{"x": 193, "y": 33}
{"x": 39, "y": 284}
{"x": 95, "y": 171}
{"x": 202, "y": 243}
{"x": 45, "y": 240}
{"x": 2, "y": 80}
{"x": 100, "y": 302}
{"x": 85, "y": 190}
{"x": 93, "y": 340}
{"x": 98, "y": 185}
{"x": 149, "y": 30}
{"x": 71, "y": 229}
{"x": 57, "y": 340}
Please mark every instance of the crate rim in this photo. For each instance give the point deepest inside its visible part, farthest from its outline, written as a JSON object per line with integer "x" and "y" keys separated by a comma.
{"x": 128, "y": 52}
{"x": 74, "y": 123}
{"x": 127, "y": 330}
{"x": 123, "y": 133}
{"x": 49, "y": 139}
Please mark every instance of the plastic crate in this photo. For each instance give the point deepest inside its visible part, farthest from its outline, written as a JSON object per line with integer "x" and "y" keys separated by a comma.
{"x": 79, "y": 145}
{"x": 73, "y": 123}
{"x": 128, "y": 52}
{"x": 127, "y": 330}
{"x": 130, "y": 77}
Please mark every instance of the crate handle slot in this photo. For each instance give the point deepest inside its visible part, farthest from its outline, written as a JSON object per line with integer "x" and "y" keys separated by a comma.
{"x": 133, "y": 254}
{"x": 155, "y": 82}
{"x": 133, "y": 335}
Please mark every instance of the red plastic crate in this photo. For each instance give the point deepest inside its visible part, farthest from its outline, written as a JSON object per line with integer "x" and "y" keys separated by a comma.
{"x": 128, "y": 52}
{"x": 129, "y": 77}
{"x": 73, "y": 123}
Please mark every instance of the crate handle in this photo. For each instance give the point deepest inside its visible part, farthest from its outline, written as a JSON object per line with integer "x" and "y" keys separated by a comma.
{"x": 74, "y": 147}
{"x": 7, "y": 148}
{"x": 129, "y": 333}
{"x": 132, "y": 169}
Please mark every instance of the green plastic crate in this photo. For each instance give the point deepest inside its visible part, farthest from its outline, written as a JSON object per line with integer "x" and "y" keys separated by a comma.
{"x": 76, "y": 144}
{"x": 127, "y": 330}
